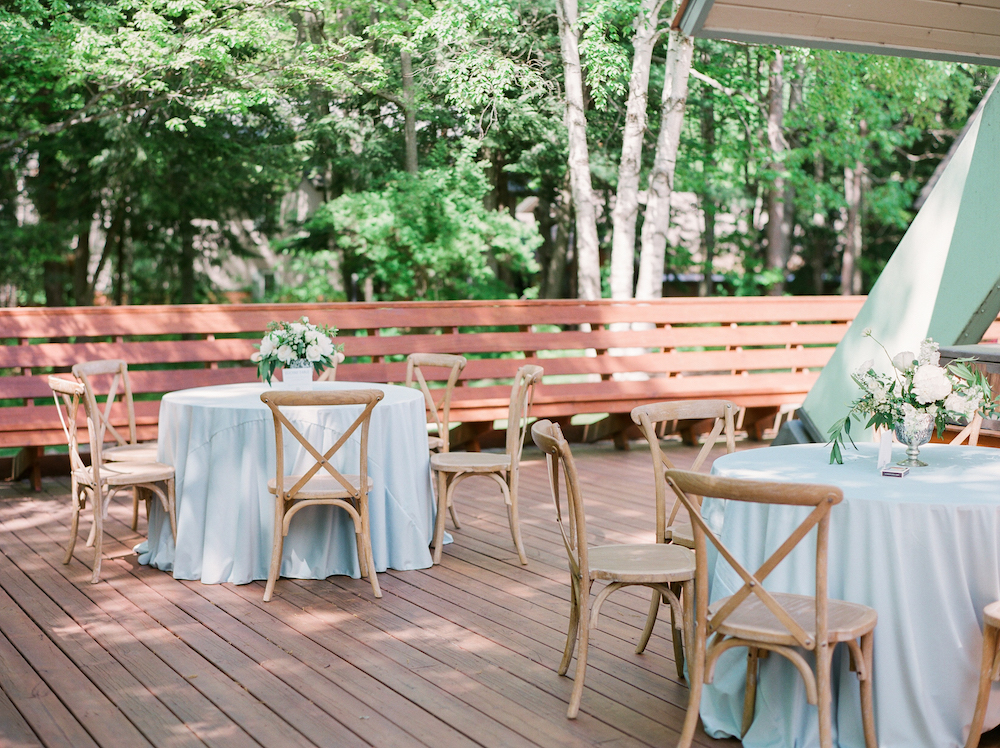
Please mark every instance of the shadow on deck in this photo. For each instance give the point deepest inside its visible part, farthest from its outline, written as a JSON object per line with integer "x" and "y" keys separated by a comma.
{"x": 461, "y": 654}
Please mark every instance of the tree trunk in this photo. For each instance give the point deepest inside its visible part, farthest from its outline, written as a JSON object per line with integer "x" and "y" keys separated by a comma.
{"x": 850, "y": 272}
{"x": 626, "y": 210}
{"x": 708, "y": 202}
{"x": 778, "y": 212}
{"x": 661, "y": 178}
{"x": 587, "y": 254}
{"x": 83, "y": 291}
{"x": 187, "y": 259}
{"x": 409, "y": 112}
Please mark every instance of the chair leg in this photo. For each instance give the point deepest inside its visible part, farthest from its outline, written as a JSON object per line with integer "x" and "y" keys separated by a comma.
{"x": 276, "y": 547}
{"x": 676, "y": 635}
{"x": 77, "y": 492}
{"x": 98, "y": 532}
{"x": 571, "y": 631}
{"x": 750, "y": 699}
{"x": 365, "y": 546}
{"x": 654, "y": 608}
{"x": 583, "y": 605}
{"x": 442, "y": 503}
{"x": 867, "y": 689}
{"x": 824, "y": 693}
{"x": 985, "y": 684}
{"x": 697, "y": 634}
{"x": 135, "y": 508}
{"x": 454, "y": 515}
{"x": 515, "y": 526}
{"x": 171, "y": 507}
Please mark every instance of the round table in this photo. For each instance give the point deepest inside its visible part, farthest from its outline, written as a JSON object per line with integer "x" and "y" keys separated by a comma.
{"x": 220, "y": 441}
{"x": 923, "y": 550}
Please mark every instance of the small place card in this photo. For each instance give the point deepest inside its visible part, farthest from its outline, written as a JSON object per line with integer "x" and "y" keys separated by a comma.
{"x": 895, "y": 471}
{"x": 885, "y": 450}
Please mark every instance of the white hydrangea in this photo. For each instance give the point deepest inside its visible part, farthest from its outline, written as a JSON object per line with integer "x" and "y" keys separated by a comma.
{"x": 929, "y": 354}
{"x": 964, "y": 404}
{"x": 930, "y": 384}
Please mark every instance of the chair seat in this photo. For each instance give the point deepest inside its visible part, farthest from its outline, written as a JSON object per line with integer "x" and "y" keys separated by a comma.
{"x": 131, "y": 453}
{"x": 434, "y": 442}
{"x": 323, "y": 486}
{"x": 647, "y": 562}
{"x": 127, "y": 473}
{"x": 991, "y": 615}
{"x": 471, "y": 462}
{"x": 681, "y": 533}
{"x": 753, "y": 620}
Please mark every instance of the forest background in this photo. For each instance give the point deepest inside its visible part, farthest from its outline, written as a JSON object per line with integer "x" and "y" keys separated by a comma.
{"x": 144, "y": 142}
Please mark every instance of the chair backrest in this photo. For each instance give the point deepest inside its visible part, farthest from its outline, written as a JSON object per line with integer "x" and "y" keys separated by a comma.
{"x": 117, "y": 369}
{"x": 691, "y": 487}
{"x": 970, "y": 432}
{"x": 279, "y": 399}
{"x": 549, "y": 438}
{"x": 69, "y": 395}
{"x": 440, "y": 412}
{"x": 330, "y": 372}
{"x": 649, "y": 416}
{"x": 522, "y": 394}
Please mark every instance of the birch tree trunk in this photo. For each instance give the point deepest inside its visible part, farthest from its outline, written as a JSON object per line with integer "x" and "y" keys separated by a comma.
{"x": 588, "y": 259}
{"x": 661, "y": 178}
{"x": 854, "y": 184}
{"x": 623, "y": 217}
{"x": 409, "y": 112}
{"x": 778, "y": 228}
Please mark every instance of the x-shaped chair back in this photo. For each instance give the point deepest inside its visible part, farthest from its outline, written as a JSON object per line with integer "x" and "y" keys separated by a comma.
{"x": 521, "y": 396}
{"x": 68, "y": 396}
{"x": 648, "y": 416}
{"x": 440, "y": 411}
{"x": 277, "y": 400}
{"x": 690, "y": 487}
{"x": 549, "y": 438}
{"x": 117, "y": 369}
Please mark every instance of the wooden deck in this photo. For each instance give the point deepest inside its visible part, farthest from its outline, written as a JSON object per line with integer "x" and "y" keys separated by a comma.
{"x": 461, "y": 654}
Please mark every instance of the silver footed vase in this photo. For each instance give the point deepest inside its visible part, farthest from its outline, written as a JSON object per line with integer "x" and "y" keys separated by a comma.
{"x": 914, "y": 434}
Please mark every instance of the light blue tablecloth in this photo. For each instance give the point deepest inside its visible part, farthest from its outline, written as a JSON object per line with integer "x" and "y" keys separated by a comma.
{"x": 220, "y": 441}
{"x": 923, "y": 550}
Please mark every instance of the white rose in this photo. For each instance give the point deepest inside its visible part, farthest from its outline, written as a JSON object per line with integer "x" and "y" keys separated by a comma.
{"x": 256, "y": 357}
{"x": 313, "y": 353}
{"x": 325, "y": 345}
{"x": 929, "y": 353}
{"x": 312, "y": 336}
{"x": 286, "y": 354}
{"x": 903, "y": 360}
{"x": 266, "y": 346}
{"x": 930, "y": 384}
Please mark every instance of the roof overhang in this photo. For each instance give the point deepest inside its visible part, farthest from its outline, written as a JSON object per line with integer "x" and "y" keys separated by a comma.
{"x": 953, "y": 30}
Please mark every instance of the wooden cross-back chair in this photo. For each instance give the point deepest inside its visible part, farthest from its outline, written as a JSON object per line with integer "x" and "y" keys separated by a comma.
{"x": 773, "y": 621}
{"x": 330, "y": 373}
{"x": 440, "y": 411}
{"x": 989, "y": 671}
{"x": 452, "y": 468}
{"x": 293, "y": 493}
{"x": 126, "y": 447}
{"x": 100, "y": 481}
{"x": 652, "y": 565}
{"x": 652, "y": 420}
{"x": 970, "y": 432}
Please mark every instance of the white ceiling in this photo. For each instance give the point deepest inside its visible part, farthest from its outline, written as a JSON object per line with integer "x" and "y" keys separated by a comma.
{"x": 967, "y": 31}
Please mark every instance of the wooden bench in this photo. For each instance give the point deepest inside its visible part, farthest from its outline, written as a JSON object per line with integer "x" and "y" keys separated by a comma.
{"x": 599, "y": 357}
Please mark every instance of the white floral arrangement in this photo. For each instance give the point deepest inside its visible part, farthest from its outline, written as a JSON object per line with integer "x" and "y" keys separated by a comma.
{"x": 295, "y": 345}
{"x": 918, "y": 386}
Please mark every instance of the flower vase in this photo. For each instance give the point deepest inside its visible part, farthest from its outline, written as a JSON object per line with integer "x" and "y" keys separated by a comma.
{"x": 298, "y": 375}
{"x": 914, "y": 432}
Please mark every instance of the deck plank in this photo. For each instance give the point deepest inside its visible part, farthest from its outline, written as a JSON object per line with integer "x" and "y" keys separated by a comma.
{"x": 459, "y": 655}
